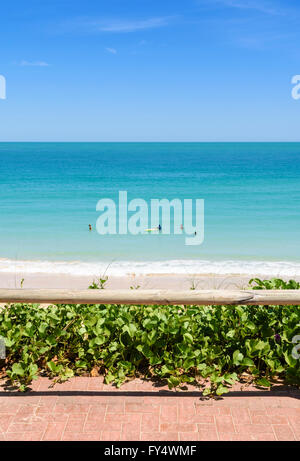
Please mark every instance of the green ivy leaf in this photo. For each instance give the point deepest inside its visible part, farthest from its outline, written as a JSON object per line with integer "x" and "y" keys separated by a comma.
{"x": 237, "y": 357}
{"x": 18, "y": 369}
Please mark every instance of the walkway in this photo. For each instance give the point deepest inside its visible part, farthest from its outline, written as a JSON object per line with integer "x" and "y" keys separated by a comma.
{"x": 85, "y": 409}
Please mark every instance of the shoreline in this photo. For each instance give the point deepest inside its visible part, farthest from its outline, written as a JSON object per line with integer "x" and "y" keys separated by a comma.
{"x": 181, "y": 267}
{"x": 166, "y": 274}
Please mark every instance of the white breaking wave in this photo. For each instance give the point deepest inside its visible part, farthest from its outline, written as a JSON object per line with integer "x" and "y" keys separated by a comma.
{"x": 121, "y": 268}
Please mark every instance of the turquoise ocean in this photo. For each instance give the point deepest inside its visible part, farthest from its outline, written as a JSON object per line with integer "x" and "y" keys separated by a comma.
{"x": 49, "y": 193}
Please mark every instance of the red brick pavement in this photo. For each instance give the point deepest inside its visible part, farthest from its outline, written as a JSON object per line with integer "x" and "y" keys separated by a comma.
{"x": 85, "y": 409}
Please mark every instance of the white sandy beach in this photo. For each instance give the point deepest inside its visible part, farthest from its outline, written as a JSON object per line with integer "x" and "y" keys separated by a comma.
{"x": 172, "y": 274}
{"x": 147, "y": 281}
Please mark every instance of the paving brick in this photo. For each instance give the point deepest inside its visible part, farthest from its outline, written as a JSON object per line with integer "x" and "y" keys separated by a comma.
{"x": 95, "y": 384}
{"x": 264, "y": 437}
{"x": 150, "y": 422}
{"x": 161, "y": 416}
{"x": 160, "y": 436}
{"x": 168, "y": 413}
{"x": 96, "y": 426}
{"x": 97, "y": 412}
{"x": 269, "y": 419}
{"x": 87, "y": 436}
{"x": 131, "y": 418}
{"x": 80, "y": 384}
{"x": 225, "y": 424}
{"x": 230, "y": 437}
{"x": 146, "y": 408}
{"x": 75, "y": 423}
{"x": 8, "y": 407}
{"x": 208, "y": 410}
{"x": 203, "y": 419}
{"x": 293, "y": 420}
{"x": 116, "y": 407}
{"x": 71, "y": 408}
{"x": 224, "y": 411}
{"x": 130, "y": 435}
{"x": 5, "y": 420}
{"x": 254, "y": 429}
{"x": 31, "y": 436}
{"x": 13, "y": 436}
{"x": 110, "y": 435}
{"x": 26, "y": 410}
{"x": 189, "y": 436}
{"x": 54, "y": 431}
{"x": 178, "y": 427}
{"x": 240, "y": 416}
{"x": 207, "y": 433}
{"x": 36, "y": 426}
{"x": 46, "y": 405}
{"x": 53, "y": 417}
{"x": 283, "y": 433}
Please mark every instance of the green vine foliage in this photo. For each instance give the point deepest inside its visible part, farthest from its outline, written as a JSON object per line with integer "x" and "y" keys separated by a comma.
{"x": 274, "y": 284}
{"x": 178, "y": 344}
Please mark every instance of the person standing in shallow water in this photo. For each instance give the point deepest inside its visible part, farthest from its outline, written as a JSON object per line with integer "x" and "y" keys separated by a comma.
{"x": 159, "y": 227}
{"x": 90, "y": 227}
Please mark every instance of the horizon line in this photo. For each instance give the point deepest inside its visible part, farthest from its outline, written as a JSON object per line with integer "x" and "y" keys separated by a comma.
{"x": 149, "y": 142}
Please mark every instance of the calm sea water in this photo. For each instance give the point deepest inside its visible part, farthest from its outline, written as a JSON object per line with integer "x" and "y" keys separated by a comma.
{"x": 49, "y": 193}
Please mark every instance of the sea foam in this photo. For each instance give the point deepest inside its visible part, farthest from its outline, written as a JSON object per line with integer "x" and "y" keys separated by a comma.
{"x": 123, "y": 268}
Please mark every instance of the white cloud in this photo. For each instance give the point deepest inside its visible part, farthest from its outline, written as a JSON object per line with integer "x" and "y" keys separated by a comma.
{"x": 132, "y": 26}
{"x": 266, "y": 7}
{"x": 111, "y": 50}
{"x": 34, "y": 63}
{"x": 114, "y": 25}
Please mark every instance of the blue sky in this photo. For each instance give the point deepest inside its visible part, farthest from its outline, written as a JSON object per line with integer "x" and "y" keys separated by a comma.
{"x": 141, "y": 70}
